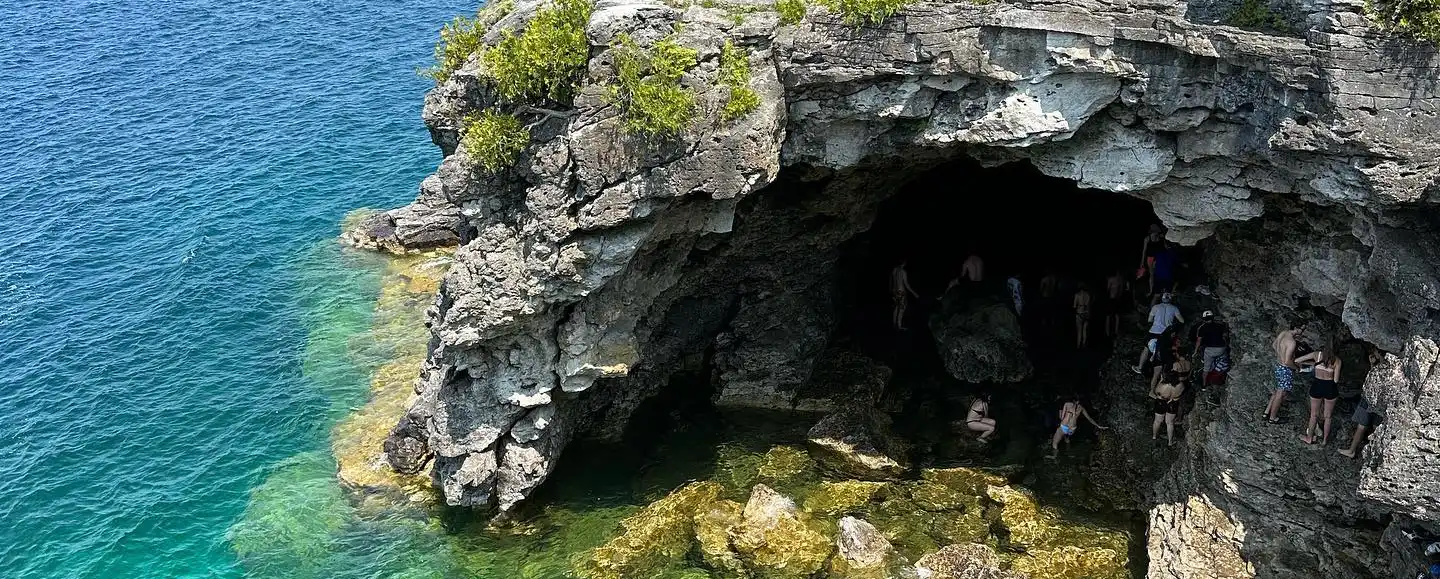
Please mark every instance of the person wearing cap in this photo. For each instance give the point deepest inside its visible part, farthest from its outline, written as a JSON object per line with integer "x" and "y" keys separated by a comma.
{"x": 1162, "y": 316}
{"x": 1211, "y": 339}
{"x": 1432, "y": 562}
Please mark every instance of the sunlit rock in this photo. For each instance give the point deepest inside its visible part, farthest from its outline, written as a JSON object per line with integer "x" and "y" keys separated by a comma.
{"x": 857, "y": 442}
{"x": 656, "y": 537}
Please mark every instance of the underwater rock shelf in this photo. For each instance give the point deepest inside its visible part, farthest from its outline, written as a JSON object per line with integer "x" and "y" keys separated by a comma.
{"x": 784, "y": 517}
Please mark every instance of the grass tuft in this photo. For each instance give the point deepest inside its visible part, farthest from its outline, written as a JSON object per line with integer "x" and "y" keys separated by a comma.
{"x": 861, "y": 12}
{"x": 735, "y": 75}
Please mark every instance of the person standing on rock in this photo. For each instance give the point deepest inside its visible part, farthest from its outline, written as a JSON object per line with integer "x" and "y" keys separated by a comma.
{"x": 1285, "y": 368}
{"x": 1017, "y": 295}
{"x": 1167, "y": 405}
{"x": 1365, "y": 419}
{"x": 1162, "y": 274}
{"x": 1162, "y": 316}
{"x": 973, "y": 269}
{"x": 1070, "y": 415}
{"x": 1148, "y": 250}
{"x": 1323, "y": 392}
{"x": 1211, "y": 340}
{"x": 1114, "y": 291}
{"x": 1081, "y": 303}
{"x": 899, "y": 287}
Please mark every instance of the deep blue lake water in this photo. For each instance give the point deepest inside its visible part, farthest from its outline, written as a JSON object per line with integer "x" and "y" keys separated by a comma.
{"x": 172, "y": 176}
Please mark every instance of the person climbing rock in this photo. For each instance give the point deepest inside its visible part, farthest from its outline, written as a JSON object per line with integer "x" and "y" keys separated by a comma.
{"x": 1211, "y": 340}
{"x": 1166, "y": 395}
{"x": 1284, "y": 345}
{"x": 1365, "y": 420}
{"x": 1115, "y": 287}
{"x": 899, "y": 287}
{"x": 1081, "y": 303}
{"x": 978, "y": 419}
{"x": 1162, "y": 316}
{"x": 1070, "y": 414}
{"x": 1323, "y": 392}
{"x": 1148, "y": 250}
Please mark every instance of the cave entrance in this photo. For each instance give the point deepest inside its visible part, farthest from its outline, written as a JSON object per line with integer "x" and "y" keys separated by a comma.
{"x": 1021, "y": 223}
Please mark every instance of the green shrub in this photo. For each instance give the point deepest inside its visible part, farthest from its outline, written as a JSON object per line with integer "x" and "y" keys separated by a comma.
{"x": 735, "y": 75}
{"x": 791, "y": 11}
{"x": 1256, "y": 14}
{"x": 493, "y": 140}
{"x": 1414, "y": 18}
{"x": 547, "y": 61}
{"x": 861, "y": 12}
{"x": 461, "y": 38}
{"x": 647, "y": 86}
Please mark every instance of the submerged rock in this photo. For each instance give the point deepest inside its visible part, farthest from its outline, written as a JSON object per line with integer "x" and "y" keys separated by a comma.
{"x": 863, "y": 553}
{"x": 980, "y": 340}
{"x": 841, "y": 497}
{"x": 774, "y": 539}
{"x": 713, "y": 526}
{"x": 655, "y": 538}
{"x": 964, "y": 561}
{"x": 1055, "y": 548}
{"x": 857, "y": 442}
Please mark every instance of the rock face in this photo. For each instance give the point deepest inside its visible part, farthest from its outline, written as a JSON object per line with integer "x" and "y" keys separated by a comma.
{"x": 601, "y": 264}
{"x": 980, "y": 341}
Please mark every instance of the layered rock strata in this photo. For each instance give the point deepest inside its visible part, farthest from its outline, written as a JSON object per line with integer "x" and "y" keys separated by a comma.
{"x": 602, "y": 264}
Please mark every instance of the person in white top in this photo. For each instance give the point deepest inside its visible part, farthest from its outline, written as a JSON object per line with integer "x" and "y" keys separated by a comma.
{"x": 1162, "y": 316}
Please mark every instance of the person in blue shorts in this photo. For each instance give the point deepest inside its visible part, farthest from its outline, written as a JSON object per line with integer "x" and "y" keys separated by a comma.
{"x": 1070, "y": 415}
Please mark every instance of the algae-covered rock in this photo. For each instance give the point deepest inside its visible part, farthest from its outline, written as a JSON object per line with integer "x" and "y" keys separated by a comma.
{"x": 1028, "y": 523}
{"x": 967, "y": 527}
{"x": 775, "y": 540}
{"x": 857, "y": 442}
{"x": 737, "y": 468}
{"x": 839, "y": 497}
{"x": 655, "y": 538}
{"x": 1072, "y": 562}
{"x": 964, "y": 479}
{"x": 713, "y": 526}
{"x": 785, "y": 464}
{"x": 863, "y": 553}
{"x": 934, "y": 496}
{"x": 905, "y": 525}
{"x": 964, "y": 561}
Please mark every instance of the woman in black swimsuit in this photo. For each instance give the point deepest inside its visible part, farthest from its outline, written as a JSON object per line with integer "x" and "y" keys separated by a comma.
{"x": 1166, "y": 396}
{"x": 1323, "y": 392}
{"x": 978, "y": 419}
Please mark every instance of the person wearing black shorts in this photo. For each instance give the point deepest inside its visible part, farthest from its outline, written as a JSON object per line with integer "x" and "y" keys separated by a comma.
{"x": 1323, "y": 391}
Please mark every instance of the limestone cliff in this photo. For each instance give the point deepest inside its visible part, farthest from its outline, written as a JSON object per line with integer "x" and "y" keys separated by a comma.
{"x": 602, "y": 263}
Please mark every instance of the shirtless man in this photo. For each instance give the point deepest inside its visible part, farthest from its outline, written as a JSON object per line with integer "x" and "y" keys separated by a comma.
{"x": 974, "y": 268}
{"x": 1114, "y": 289}
{"x": 1285, "y": 368}
{"x": 1070, "y": 415}
{"x": 1081, "y": 303}
{"x": 1167, "y": 404}
{"x": 899, "y": 286}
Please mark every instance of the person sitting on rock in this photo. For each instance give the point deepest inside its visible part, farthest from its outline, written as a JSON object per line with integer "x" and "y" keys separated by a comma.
{"x": 978, "y": 419}
{"x": 1284, "y": 346}
{"x": 1115, "y": 286}
{"x": 1162, "y": 316}
{"x": 1167, "y": 404}
{"x": 1323, "y": 392}
{"x": 1081, "y": 303}
{"x": 899, "y": 286}
{"x": 1070, "y": 415}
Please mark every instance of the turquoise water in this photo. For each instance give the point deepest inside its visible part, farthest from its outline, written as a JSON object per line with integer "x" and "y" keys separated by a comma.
{"x": 172, "y": 175}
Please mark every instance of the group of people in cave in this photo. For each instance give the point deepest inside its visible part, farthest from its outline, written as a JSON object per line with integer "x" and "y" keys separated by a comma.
{"x": 1170, "y": 370}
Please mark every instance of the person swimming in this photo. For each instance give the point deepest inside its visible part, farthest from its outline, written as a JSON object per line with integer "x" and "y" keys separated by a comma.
{"x": 1070, "y": 414}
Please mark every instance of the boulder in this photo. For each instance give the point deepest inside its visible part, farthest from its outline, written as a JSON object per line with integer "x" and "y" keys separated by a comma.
{"x": 1402, "y": 466}
{"x": 863, "y": 553}
{"x": 857, "y": 442}
{"x": 656, "y": 537}
{"x": 963, "y": 561}
{"x": 774, "y": 539}
{"x": 979, "y": 339}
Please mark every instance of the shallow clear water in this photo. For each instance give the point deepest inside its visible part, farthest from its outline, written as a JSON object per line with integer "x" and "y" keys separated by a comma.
{"x": 173, "y": 310}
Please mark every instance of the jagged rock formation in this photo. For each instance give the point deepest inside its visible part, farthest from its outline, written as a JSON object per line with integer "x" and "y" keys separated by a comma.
{"x": 980, "y": 340}
{"x": 602, "y": 264}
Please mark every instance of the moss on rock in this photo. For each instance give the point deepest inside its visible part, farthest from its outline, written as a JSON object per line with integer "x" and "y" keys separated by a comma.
{"x": 713, "y": 526}
{"x": 833, "y": 498}
{"x": 653, "y": 539}
{"x": 1071, "y": 562}
{"x": 776, "y": 541}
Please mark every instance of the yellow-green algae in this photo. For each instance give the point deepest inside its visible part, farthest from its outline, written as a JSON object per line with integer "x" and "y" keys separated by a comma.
{"x": 1055, "y": 548}
{"x": 712, "y": 533}
{"x": 408, "y": 286}
{"x": 836, "y": 498}
{"x": 655, "y": 538}
{"x": 789, "y": 546}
